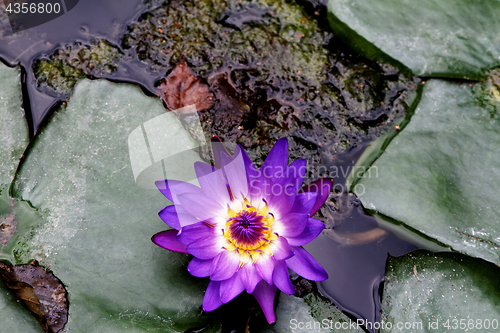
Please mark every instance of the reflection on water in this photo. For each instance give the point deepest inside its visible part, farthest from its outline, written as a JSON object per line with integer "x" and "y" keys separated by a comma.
{"x": 353, "y": 249}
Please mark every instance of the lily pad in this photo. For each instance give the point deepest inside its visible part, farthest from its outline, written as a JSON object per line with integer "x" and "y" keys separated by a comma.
{"x": 457, "y": 38}
{"x": 13, "y": 126}
{"x": 442, "y": 292}
{"x": 14, "y": 316}
{"x": 82, "y": 172}
{"x": 14, "y": 137}
{"x": 440, "y": 176}
{"x": 312, "y": 313}
{"x": 96, "y": 238}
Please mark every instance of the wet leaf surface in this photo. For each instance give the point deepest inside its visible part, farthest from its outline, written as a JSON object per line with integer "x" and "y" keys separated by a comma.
{"x": 182, "y": 88}
{"x": 440, "y": 175}
{"x": 312, "y": 309}
{"x": 274, "y": 72}
{"x": 442, "y": 292}
{"x": 8, "y": 227}
{"x": 98, "y": 223}
{"x": 41, "y": 291}
{"x": 13, "y": 125}
{"x": 17, "y": 220}
{"x": 456, "y": 38}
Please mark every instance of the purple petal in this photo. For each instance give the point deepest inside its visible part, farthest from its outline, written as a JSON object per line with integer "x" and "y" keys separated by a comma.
{"x": 205, "y": 248}
{"x": 304, "y": 202}
{"x": 265, "y": 266}
{"x": 225, "y": 159}
{"x": 231, "y": 288}
{"x": 281, "y": 279}
{"x": 281, "y": 249}
{"x": 168, "y": 240}
{"x": 193, "y": 232}
{"x": 283, "y": 195}
{"x": 311, "y": 231}
{"x": 290, "y": 225}
{"x": 199, "y": 268}
{"x": 172, "y": 188}
{"x": 237, "y": 177}
{"x": 260, "y": 187}
{"x": 169, "y": 216}
{"x": 212, "y": 300}
{"x": 203, "y": 169}
{"x": 250, "y": 276}
{"x": 264, "y": 294}
{"x": 275, "y": 165}
{"x": 322, "y": 187}
{"x": 306, "y": 266}
{"x": 217, "y": 148}
{"x": 224, "y": 265}
{"x": 200, "y": 206}
{"x": 211, "y": 181}
{"x": 184, "y": 217}
{"x": 297, "y": 170}
{"x": 251, "y": 169}
{"x": 253, "y": 176}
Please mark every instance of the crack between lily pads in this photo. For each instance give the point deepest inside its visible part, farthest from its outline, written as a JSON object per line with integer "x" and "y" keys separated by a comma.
{"x": 479, "y": 239}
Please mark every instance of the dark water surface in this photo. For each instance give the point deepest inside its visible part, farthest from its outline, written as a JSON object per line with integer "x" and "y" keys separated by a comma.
{"x": 353, "y": 249}
{"x": 354, "y": 259}
{"x": 88, "y": 20}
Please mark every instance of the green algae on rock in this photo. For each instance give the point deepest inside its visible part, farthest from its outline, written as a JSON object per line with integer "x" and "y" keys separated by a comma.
{"x": 275, "y": 72}
{"x": 275, "y": 69}
{"x": 62, "y": 69}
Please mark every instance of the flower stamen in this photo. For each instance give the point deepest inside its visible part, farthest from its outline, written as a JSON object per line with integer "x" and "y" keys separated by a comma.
{"x": 249, "y": 229}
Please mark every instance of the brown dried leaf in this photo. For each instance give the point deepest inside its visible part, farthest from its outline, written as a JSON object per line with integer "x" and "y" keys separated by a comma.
{"x": 8, "y": 227}
{"x": 41, "y": 291}
{"x": 182, "y": 88}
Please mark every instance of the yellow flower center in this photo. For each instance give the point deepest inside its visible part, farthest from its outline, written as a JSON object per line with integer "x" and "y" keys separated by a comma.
{"x": 250, "y": 230}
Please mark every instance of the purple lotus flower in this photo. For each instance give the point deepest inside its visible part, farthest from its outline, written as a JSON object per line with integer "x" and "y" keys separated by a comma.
{"x": 245, "y": 226}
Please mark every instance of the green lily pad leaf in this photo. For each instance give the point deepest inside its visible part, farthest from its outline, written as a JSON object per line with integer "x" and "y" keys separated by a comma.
{"x": 441, "y": 292}
{"x": 14, "y": 316}
{"x": 14, "y": 133}
{"x": 17, "y": 220}
{"x": 87, "y": 173}
{"x": 456, "y": 38}
{"x": 81, "y": 173}
{"x": 440, "y": 176}
{"x": 14, "y": 136}
{"x": 312, "y": 313}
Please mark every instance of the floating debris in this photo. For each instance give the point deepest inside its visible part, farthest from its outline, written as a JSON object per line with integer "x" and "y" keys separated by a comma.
{"x": 182, "y": 88}
{"x": 42, "y": 292}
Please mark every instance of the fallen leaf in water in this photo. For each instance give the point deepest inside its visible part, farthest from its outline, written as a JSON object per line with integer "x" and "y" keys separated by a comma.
{"x": 8, "y": 227}
{"x": 182, "y": 88}
{"x": 41, "y": 291}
